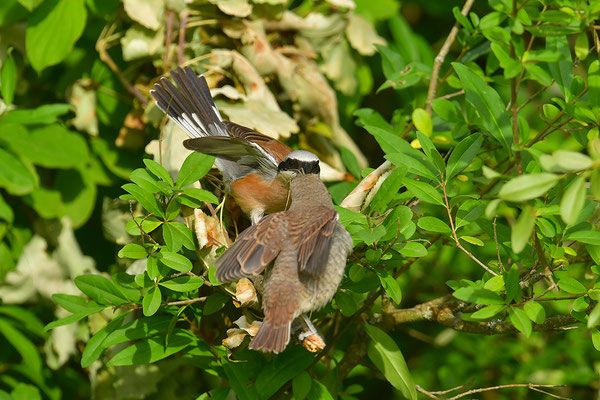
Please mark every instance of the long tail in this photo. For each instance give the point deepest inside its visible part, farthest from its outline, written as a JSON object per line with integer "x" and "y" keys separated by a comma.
{"x": 271, "y": 337}
{"x": 190, "y": 104}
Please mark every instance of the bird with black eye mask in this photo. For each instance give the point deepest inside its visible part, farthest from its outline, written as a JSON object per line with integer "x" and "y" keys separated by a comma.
{"x": 303, "y": 250}
{"x": 247, "y": 159}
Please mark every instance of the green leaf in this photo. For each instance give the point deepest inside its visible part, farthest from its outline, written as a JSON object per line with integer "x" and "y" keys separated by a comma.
{"x": 422, "y": 121}
{"x": 52, "y": 30}
{"x": 387, "y": 357}
{"x": 572, "y": 201}
{"x": 413, "y": 249}
{"x": 423, "y": 191}
{"x": 151, "y": 302}
{"x": 6, "y": 213}
{"x": 301, "y": 385}
{"x": 345, "y": 303}
{"x": 8, "y": 79}
{"x": 134, "y": 251}
{"x": 487, "y": 312}
{"x": 446, "y": 110}
{"x": 182, "y": 283}
{"x": 587, "y": 237}
{"x": 594, "y": 317}
{"x": 571, "y": 285}
{"x": 561, "y": 70}
{"x": 520, "y": 320}
{"x": 478, "y": 295}
{"x": 495, "y": 283}
{"x": 350, "y": 162}
{"x": 43, "y": 115}
{"x": 572, "y": 160}
{"x": 390, "y": 285}
{"x": 195, "y": 166}
{"x": 148, "y": 182}
{"x": 195, "y": 197}
{"x": 489, "y": 105}
{"x": 24, "y": 347}
{"x": 51, "y": 146}
{"x": 370, "y": 236}
{"x": 148, "y": 225}
{"x": 153, "y": 349}
{"x": 318, "y": 391}
{"x": 15, "y": 177}
{"x": 521, "y": 231}
{"x": 535, "y": 312}
{"x": 463, "y": 154}
{"x": 594, "y": 84}
{"x": 433, "y": 224}
{"x": 472, "y": 240}
{"x": 177, "y": 235}
{"x": 415, "y": 165}
{"x": 76, "y": 304}
{"x": 388, "y": 190}
{"x": 469, "y": 211}
{"x": 30, "y": 5}
{"x": 513, "y": 289}
{"x": 93, "y": 348}
{"x": 526, "y": 187}
{"x": 238, "y": 376}
{"x": 145, "y": 198}
{"x": 432, "y": 153}
{"x": 596, "y": 338}
{"x": 281, "y": 369}
{"x": 215, "y": 302}
{"x": 175, "y": 261}
{"x": 73, "y": 318}
{"x": 100, "y": 289}
{"x": 158, "y": 170}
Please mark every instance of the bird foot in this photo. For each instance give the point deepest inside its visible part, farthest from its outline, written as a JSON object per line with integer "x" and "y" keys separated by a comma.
{"x": 309, "y": 337}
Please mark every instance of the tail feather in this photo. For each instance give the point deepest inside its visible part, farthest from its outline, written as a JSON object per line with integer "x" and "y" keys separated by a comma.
{"x": 271, "y": 337}
{"x": 190, "y": 105}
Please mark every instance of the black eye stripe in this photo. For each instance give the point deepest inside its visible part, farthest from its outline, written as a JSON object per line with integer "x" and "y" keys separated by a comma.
{"x": 291, "y": 164}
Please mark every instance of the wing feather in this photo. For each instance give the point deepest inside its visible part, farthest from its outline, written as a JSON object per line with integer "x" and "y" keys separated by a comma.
{"x": 254, "y": 249}
{"x": 314, "y": 235}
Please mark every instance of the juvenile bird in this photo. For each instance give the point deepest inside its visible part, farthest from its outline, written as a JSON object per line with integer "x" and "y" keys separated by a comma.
{"x": 247, "y": 159}
{"x": 304, "y": 250}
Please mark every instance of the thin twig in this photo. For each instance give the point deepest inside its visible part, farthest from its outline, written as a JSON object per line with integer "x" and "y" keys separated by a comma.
{"x": 183, "y": 17}
{"x": 497, "y": 247}
{"x": 139, "y": 224}
{"x": 458, "y": 245}
{"x": 101, "y": 47}
{"x": 171, "y": 303}
{"x": 427, "y": 393}
{"x": 451, "y": 95}
{"x": 439, "y": 59}
{"x": 512, "y": 385}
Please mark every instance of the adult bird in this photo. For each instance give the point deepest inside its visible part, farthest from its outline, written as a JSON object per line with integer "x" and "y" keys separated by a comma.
{"x": 304, "y": 250}
{"x": 247, "y": 159}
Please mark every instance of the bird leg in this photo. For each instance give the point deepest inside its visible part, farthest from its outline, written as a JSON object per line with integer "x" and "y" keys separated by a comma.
{"x": 308, "y": 336}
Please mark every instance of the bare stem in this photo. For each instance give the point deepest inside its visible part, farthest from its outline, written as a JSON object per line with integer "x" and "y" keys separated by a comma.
{"x": 513, "y": 385}
{"x": 439, "y": 59}
{"x": 458, "y": 245}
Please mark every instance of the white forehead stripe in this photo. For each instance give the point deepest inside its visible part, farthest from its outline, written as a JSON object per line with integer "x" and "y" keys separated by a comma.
{"x": 302, "y": 155}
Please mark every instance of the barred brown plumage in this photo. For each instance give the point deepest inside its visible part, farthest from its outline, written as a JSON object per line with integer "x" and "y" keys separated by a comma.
{"x": 304, "y": 252}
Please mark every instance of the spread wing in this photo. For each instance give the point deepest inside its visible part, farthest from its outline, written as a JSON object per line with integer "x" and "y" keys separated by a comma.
{"x": 272, "y": 146}
{"x": 254, "y": 249}
{"x": 190, "y": 105}
{"x": 235, "y": 149}
{"x": 313, "y": 234}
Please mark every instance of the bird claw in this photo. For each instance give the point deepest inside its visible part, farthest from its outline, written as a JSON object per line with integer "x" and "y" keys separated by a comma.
{"x": 309, "y": 337}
